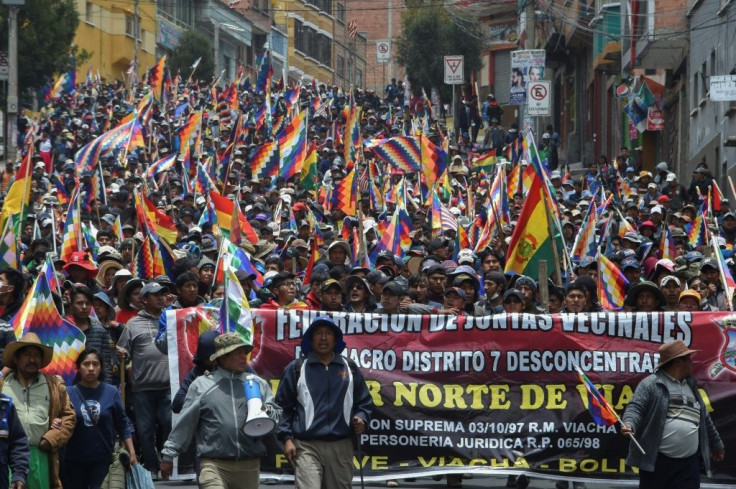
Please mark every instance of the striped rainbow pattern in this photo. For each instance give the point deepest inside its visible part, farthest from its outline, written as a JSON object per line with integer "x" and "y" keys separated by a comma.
{"x": 293, "y": 146}
{"x": 402, "y": 152}
{"x": 611, "y": 284}
{"x": 39, "y": 315}
{"x": 265, "y": 163}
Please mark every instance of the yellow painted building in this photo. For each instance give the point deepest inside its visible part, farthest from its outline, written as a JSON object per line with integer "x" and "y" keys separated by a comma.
{"x": 107, "y": 31}
{"x": 318, "y": 43}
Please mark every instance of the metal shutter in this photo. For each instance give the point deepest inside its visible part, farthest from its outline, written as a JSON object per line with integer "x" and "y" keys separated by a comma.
{"x": 501, "y": 76}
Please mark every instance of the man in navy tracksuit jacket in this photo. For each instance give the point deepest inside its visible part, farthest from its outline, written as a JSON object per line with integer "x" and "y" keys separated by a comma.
{"x": 324, "y": 400}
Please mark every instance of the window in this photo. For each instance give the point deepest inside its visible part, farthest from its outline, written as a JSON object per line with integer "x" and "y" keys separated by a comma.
{"x": 340, "y": 13}
{"x": 322, "y": 5}
{"x": 358, "y": 77}
{"x": 324, "y": 50}
{"x": 88, "y": 11}
{"x": 703, "y": 88}
{"x": 129, "y": 26}
{"x": 695, "y": 98}
{"x": 179, "y": 11}
{"x": 340, "y": 65}
{"x": 298, "y": 35}
{"x": 312, "y": 43}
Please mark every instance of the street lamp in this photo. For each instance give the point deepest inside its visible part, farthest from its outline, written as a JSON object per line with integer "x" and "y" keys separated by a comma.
{"x": 224, "y": 25}
{"x": 12, "y": 112}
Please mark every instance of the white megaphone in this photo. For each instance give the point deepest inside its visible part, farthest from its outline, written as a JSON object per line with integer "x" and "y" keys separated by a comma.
{"x": 258, "y": 423}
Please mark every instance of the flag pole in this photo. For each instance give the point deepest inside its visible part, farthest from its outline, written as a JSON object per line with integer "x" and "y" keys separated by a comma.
{"x": 721, "y": 272}
{"x": 53, "y": 228}
{"x": 226, "y": 280}
{"x": 606, "y": 406}
{"x": 550, "y": 226}
{"x": 78, "y": 223}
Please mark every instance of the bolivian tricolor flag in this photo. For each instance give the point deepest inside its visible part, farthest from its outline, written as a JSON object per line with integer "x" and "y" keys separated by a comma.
{"x": 224, "y": 210}
{"x": 309, "y": 168}
{"x": 19, "y": 193}
{"x": 531, "y": 241}
{"x": 159, "y": 222}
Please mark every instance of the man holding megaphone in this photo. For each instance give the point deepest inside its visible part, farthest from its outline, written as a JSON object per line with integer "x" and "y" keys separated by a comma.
{"x": 325, "y": 401}
{"x": 228, "y": 411}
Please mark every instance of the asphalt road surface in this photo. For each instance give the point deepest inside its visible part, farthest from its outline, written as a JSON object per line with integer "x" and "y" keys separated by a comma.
{"x": 477, "y": 482}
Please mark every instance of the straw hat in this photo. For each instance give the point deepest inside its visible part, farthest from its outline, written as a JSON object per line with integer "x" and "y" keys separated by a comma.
{"x": 28, "y": 339}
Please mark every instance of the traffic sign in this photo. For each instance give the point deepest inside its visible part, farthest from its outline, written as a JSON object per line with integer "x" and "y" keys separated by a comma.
{"x": 383, "y": 51}
{"x": 4, "y": 65}
{"x": 537, "y": 98}
{"x": 454, "y": 69}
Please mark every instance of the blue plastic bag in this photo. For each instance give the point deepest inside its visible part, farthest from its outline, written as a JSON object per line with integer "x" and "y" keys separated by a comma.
{"x": 139, "y": 478}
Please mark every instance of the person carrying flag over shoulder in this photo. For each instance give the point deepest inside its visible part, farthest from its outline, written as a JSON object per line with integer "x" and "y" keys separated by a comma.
{"x": 669, "y": 417}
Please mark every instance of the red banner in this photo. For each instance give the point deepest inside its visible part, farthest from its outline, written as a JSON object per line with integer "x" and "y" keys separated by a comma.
{"x": 500, "y": 394}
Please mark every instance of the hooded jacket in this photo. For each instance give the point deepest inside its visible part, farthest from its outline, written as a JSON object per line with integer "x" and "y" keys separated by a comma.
{"x": 214, "y": 413}
{"x": 320, "y": 401}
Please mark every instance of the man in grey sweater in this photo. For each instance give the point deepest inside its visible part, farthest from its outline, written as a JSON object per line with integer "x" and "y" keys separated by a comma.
{"x": 150, "y": 379}
{"x": 669, "y": 418}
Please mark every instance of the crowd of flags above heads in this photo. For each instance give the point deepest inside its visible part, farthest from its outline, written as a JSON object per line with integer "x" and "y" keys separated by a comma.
{"x": 407, "y": 171}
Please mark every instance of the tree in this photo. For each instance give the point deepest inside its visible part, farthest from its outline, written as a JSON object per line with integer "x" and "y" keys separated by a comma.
{"x": 46, "y": 29}
{"x": 429, "y": 33}
{"x": 192, "y": 46}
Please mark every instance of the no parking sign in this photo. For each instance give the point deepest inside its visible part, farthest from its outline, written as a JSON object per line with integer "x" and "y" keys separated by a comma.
{"x": 537, "y": 98}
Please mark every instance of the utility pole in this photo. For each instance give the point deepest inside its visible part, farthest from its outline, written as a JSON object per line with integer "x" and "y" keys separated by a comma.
{"x": 390, "y": 34}
{"x": 217, "y": 47}
{"x": 530, "y": 43}
{"x": 136, "y": 35}
{"x": 12, "y": 112}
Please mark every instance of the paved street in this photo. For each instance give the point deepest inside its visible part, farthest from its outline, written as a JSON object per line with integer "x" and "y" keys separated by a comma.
{"x": 477, "y": 482}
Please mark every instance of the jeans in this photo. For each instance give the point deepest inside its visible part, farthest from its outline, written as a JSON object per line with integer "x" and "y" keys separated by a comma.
{"x": 152, "y": 408}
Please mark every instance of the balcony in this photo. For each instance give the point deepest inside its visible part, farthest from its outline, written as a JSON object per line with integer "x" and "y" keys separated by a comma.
{"x": 653, "y": 53}
{"x": 658, "y": 41}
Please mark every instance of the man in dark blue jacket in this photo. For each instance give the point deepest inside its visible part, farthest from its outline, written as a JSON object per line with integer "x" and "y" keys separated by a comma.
{"x": 14, "y": 450}
{"x": 317, "y": 424}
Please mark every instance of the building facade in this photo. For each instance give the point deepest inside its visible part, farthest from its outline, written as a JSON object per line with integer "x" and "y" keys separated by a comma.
{"x": 712, "y": 124}
{"x": 319, "y": 47}
{"x": 114, "y": 35}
